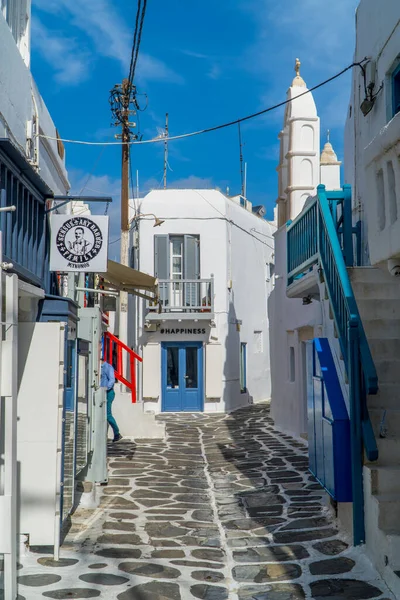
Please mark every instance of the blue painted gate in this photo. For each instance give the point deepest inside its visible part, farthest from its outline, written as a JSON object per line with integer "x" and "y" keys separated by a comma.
{"x": 328, "y": 423}
{"x": 182, "y": 376}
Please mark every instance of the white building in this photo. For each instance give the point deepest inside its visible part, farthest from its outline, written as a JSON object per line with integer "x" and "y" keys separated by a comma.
{"x": 356, "y": 309}
{"x": 205, "y": 347}
{"x": 372, "y": 167}
{"x": 32, "y": 171}
{"x": 294, "y": 321}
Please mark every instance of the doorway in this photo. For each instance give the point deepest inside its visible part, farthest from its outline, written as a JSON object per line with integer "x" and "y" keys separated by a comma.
{"x": 182, "y": 376}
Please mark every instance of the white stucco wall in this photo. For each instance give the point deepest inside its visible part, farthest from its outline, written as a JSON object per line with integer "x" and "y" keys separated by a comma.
{"x": 371, "y": 142}
{"x": 238, "y": 258}
{"x": 17, "y": 107}
{"x": 291, "y": 324}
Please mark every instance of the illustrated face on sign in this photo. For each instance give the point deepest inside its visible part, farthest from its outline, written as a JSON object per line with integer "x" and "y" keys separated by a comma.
{"x": 82, "y": 244}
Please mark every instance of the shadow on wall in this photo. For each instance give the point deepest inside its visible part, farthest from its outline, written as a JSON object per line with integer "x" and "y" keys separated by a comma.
{"x": 234, "y": 396}
{"x": 272, "y": 355}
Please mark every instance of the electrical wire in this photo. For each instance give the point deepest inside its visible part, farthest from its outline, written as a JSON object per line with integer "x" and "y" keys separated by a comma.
{"x": 215, "y": 127}
{"x": 230, "y": 221}
{"x": 134, "y": 43}
{"x": 139, "y": 39}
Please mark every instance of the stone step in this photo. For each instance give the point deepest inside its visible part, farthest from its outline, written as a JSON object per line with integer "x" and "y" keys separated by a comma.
{"x": 389, "y": 513}
{"x": 382, "y": 328}
{"x": 385, "y": 349}
{"x": 389, "y": 450}
{"x": 133, "y": 421}
{"x": 388, "y": 370}
{"x": 391, "y": 575}
{"x": 391, "y": 420}
{"x": 388, "y": 397}
{"x": 376, "y": 309}
{"x": 375, "y": 291}
{"x": 369, "y": 275}
{"x": 385, "y": 479}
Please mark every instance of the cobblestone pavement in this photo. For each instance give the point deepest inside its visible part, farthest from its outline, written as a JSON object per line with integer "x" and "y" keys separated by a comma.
{"x": 225, "y": 509}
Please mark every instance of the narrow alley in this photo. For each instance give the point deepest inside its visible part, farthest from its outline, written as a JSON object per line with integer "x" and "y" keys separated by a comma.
{"x": 225, "y": 508}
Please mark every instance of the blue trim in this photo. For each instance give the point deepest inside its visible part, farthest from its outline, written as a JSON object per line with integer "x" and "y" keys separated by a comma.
{"x": 323, "y": 235}
{"x": 182, "y": 368}
{"x": 334, "y": 425}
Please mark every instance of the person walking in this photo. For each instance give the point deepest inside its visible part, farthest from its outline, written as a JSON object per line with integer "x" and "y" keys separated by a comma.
{"x": 107, "y": 381}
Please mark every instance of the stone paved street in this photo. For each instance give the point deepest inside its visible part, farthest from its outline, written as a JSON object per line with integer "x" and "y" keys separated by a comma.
{"x": 224, "y": 509}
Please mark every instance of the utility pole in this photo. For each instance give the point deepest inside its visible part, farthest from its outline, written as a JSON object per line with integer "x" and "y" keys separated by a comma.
{"x": 123, "y": 99}
{"x": 166, "y": 152}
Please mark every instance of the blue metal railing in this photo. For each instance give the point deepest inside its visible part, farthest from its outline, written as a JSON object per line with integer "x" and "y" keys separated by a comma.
{"x": 323, "y": 234}
{"x": 25, "y": 231}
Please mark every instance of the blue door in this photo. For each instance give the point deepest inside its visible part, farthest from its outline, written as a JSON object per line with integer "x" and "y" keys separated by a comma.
{"x": 182, "y": 377}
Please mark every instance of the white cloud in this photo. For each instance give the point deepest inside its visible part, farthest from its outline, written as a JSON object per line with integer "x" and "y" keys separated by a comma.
{"x": 321, "y": 34}
{"x": 109, "y": 34}
{"x": 70, "y": 63}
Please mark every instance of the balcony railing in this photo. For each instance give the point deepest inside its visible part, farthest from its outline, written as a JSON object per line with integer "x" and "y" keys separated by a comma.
{"x": 185, "y": 296}
{"x": 25, "y": 231}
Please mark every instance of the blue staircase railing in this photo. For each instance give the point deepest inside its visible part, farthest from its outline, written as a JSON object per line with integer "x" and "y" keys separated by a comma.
{"x": 323, "y": 235}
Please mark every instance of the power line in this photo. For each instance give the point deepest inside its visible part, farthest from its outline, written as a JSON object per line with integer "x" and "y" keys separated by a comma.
{"x": 139, "y": 39}
{"x": 131, "y": 67}
{"x": 216, "y": 127}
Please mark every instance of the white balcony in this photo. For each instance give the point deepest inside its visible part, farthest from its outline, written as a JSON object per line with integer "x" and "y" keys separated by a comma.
{"x": 183, "y": 298}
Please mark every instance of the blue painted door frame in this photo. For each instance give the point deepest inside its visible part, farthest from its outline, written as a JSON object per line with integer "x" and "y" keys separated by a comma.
{"x": 69, "y": 404}
{"x": 182, "y": 377}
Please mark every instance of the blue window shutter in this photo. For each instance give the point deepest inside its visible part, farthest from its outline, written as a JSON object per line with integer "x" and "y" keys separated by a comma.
{"x": 161, "y": 265}
{"x": 191, "y": 267}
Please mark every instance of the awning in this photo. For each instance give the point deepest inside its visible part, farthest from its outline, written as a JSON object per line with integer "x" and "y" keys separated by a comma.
{"x": 129, "y": 280}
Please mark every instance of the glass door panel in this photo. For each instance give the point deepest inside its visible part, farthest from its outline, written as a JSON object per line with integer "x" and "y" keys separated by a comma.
{"x": 173, "y": 367}
{"x": 191, "y": 376}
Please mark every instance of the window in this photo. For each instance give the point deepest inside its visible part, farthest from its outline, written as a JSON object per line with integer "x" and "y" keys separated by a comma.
{"x": 177, "y": 260}
{"x": 243, "y": 368}
{"x": 396, "y": 91}
{"x": 292, "y": 365}
{"x": 380, "y": 205}
{"x": 258, "y": 342}
{"x": 12, "y": 12}
{"x": 176, "y": 257}
{"x": 270, "y": 270}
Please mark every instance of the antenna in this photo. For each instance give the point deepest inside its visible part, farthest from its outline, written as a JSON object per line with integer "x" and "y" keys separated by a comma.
{"x": 245, "y": 180}
{"x": 166, "y": 151}
{"x": 137, "y": 184}
{"x": 241, "y": 161}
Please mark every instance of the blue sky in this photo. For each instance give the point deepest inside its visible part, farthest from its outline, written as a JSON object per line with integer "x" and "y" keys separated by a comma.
{"x": 204, "y": 62}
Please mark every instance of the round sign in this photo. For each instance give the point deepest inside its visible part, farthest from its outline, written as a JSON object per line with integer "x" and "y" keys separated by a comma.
{"x": 79, "y": 240}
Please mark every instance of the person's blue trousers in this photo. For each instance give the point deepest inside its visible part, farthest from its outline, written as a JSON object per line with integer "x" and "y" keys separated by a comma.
{"x": 111, "y": 421}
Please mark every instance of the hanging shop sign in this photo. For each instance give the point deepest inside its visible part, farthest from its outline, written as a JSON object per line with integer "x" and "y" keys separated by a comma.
{"x": 79, "y": 243}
